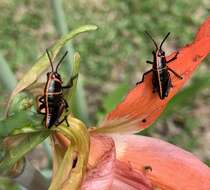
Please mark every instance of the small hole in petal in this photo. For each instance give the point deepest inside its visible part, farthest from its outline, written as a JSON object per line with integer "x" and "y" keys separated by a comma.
{"x": 74, "y": 163}
{"x": 147, "y": 168}
{"x": 144, "y": 120}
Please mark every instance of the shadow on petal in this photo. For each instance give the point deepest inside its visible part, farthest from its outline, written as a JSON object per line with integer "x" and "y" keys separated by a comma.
{"x": 127, "y": 178}
{"x": 100, "y": 164}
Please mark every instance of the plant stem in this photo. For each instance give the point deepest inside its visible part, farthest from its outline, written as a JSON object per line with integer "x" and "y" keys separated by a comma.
{"x": 79, "y": 98}
{"x": 6, "y": 76}
{"x": 62, "y": 29}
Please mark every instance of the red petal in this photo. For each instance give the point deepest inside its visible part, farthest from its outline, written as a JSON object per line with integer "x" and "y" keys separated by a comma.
{"x": 171, "y": 167}
{"x": 142, "y": 103}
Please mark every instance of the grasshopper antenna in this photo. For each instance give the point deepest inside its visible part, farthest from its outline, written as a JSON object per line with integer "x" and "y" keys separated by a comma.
{"x": 48, "y": 54}
{"x": 147, "y": 33}
{"x": 164, "y": 40}
{"x": 61, "y": 61}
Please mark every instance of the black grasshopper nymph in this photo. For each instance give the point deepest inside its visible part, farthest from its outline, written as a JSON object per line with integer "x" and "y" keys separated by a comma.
{"x": 161, "y": 80}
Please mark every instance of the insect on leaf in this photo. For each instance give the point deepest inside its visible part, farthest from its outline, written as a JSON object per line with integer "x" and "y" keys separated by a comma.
{"x": 43, "y": 63}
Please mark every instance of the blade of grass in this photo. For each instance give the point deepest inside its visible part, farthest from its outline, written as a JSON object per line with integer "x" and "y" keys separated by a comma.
{"x": 6, "y": 76}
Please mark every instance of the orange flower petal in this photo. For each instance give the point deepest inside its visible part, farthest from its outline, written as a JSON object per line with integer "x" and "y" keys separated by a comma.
{"x": 204, "y": 31}
{"x": 170, "y": 167}
{"x": 142, "y": 103}
{"x": 100, "y": 164}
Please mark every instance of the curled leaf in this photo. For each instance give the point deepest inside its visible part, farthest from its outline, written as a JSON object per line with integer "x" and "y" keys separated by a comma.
{"x": 66, "y": 173}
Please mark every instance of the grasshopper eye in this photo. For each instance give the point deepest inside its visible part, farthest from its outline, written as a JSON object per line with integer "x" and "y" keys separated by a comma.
{"x": 56, "y": 75}
{"x": 161, "y": 53}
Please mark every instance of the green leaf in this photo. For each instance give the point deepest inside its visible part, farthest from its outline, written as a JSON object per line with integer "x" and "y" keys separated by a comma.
{"x": 74, "y": 76}
{"x": 43, "y": 63}
{"x": 18, "y": 145}
{"x": 16, "y": 122}
{"x": 79, "y": 105}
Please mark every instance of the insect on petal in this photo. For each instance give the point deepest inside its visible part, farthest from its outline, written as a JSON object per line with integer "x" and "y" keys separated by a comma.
{"x": 142, "y": 103}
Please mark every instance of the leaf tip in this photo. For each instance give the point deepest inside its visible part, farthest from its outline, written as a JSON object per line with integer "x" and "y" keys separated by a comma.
{"x": 77, "y": 56}
{"x": 93, "y": 27}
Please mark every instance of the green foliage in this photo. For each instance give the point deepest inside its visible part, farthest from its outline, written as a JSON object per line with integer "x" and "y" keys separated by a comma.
{"x": 18, "y": 121}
